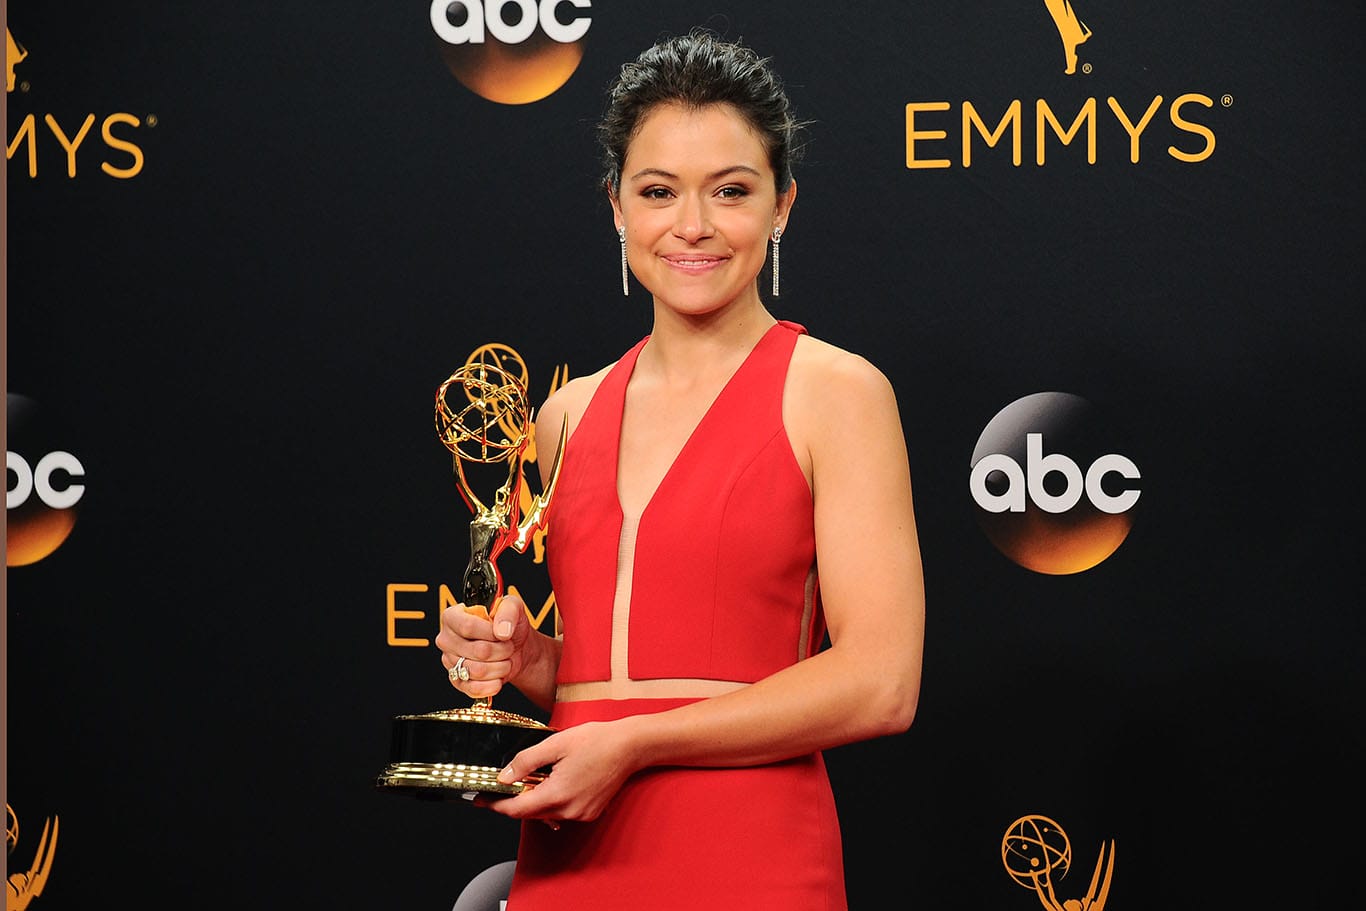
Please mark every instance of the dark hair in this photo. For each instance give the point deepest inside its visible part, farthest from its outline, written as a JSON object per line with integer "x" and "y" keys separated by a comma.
{"x": 699, "y": 69}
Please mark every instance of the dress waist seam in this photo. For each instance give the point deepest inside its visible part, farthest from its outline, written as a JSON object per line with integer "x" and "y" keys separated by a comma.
{"x": 664, "y": 688}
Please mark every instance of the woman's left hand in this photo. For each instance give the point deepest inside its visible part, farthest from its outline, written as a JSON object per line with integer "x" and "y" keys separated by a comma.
{"x": 588, "y": 765}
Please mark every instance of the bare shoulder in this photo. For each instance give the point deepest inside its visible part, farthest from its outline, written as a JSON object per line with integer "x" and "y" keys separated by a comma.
{"x": 568, "y": 403}
{"x": 836, "y": 405}
{"x": 827, "y": 379}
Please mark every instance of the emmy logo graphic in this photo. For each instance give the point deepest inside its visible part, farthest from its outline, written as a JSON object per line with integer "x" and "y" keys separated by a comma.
{"x": 1071, "y": 30}
{"x": 1036, "y": 851}
{"x": 22, "y": 888}
{"x": 14, "y": 53}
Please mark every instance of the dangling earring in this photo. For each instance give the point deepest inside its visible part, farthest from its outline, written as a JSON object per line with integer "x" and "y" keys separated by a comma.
{"x": 625, "y": 280}
{"x": 777, "y": 236}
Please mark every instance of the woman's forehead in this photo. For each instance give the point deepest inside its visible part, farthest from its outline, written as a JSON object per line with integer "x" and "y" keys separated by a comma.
{"x": 684, "y": 133}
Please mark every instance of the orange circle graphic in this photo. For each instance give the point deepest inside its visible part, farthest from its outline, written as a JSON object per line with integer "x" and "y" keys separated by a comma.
{"x": 1042, "y": 543}
{"x": 513, "y": 73}
{"x": 32, "y": 534}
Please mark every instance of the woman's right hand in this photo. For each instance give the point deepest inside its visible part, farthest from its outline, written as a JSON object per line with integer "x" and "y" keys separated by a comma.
{"x": 486, "y": 652}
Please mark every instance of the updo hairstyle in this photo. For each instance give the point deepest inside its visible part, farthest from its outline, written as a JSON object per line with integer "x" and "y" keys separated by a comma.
{"x": 697, "y": 70}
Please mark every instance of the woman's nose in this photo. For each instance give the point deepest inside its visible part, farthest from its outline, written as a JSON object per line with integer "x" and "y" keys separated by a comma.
{"x": 692, "y": 223}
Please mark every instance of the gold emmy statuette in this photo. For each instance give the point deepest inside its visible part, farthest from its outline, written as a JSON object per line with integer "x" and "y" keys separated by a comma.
{"x": 460, "y": 751}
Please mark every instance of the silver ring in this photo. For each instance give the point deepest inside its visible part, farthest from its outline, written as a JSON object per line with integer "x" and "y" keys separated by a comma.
{"x": 458, "y": 671}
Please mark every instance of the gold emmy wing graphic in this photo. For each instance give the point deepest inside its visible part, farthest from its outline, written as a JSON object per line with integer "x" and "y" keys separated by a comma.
{"x": 459, "y": 752}
{"x": 23, "y": 888}
{"x": 1071, "y": 30}
{"x": 14, "y": 53}
{"x": 1036, "y": 850}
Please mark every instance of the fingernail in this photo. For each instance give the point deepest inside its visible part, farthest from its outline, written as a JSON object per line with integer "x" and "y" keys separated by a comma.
{"x": 505, "y": 629}
{"x": 506, "y": 776}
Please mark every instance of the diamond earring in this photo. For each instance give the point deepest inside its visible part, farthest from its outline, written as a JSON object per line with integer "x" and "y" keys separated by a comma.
{"x": 777, "y": 237}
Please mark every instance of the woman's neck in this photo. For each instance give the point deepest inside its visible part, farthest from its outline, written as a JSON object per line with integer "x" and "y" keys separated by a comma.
{"x": 685, "y": 346}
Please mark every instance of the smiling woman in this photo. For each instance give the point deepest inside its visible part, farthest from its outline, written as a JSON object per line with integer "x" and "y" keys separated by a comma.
{"x": 707, "y": 473}
{"x": 698, "y": 205}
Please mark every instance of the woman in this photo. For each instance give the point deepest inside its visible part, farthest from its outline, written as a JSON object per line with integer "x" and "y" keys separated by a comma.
{"x": 708, "y": 472}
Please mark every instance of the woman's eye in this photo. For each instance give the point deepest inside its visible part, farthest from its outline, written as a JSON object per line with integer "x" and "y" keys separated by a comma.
{"x": 656, "y": 193}
{"x": 732, "y": 192}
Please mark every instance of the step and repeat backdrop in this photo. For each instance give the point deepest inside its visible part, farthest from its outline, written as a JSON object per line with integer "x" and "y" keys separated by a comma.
{"x": 1109, "y": 255}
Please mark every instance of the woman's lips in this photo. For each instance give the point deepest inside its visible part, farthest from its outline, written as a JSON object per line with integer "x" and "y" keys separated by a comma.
{"x": 694, "y": 262}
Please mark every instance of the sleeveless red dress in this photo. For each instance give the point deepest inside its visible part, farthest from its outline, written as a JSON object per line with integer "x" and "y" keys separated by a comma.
{"x": 730, "y": 529}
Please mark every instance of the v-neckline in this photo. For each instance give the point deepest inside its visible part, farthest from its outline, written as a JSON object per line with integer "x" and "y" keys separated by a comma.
{"x": 692, "y": 435}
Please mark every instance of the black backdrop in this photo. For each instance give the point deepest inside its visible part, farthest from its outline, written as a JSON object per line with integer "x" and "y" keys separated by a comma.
{"x": 240, "y": 342}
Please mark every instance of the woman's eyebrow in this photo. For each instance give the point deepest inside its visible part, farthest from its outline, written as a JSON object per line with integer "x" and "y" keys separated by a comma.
{"x": 715, "y": 175}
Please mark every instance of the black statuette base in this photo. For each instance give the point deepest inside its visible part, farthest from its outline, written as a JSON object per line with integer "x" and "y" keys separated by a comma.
{"x": 458, "y": 752}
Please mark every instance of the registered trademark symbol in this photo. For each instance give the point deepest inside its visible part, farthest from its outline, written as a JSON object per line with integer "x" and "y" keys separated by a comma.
{"x": 1226, "y": 101}
{"x": 151, "y": 120}
{"x": 1086, "y": 68}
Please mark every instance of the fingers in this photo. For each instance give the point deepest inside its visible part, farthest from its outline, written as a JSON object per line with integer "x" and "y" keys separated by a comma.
{"x": 476, "y": 679}
{"x": 476, "y": 649}
{"x": 537, "y": 757}
{"x": 469, "y": 653}
{"x": 540, "y": 799}
{"x": 508, "y": 612}
{"x": 529, "y": 803}
{"x": 509, "y": 773}
{"x": 473, "y": 621}
{"x": 458, "y": 629}
{"x": 462, "y": 633}
{"x": 458, "y": 672}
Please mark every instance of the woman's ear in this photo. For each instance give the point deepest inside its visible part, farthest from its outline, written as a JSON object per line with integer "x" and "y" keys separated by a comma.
{"x": 783, "y": 210}
{"x": 615, "y": 201}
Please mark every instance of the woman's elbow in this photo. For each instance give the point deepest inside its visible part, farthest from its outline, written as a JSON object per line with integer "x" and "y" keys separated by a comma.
{"x": 893, "y": 708}
{"x": 903, "y": 712}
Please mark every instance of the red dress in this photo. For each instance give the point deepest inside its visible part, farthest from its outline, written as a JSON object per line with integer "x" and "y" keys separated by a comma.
{"x": 652, "y": 600}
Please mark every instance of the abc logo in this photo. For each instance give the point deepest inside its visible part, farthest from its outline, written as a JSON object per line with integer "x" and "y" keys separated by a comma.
{"x": 1049, "y": 494}
{"x": 489, "y": 890}
{"x": 42, "y": 486}
{"x": 511, "y": 51}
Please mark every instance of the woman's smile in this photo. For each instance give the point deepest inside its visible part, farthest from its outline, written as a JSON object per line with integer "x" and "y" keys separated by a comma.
{"x": 695, "y": 263}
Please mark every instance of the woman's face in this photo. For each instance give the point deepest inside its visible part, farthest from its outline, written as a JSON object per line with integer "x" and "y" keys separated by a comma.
{"x": 699, "y": 206}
